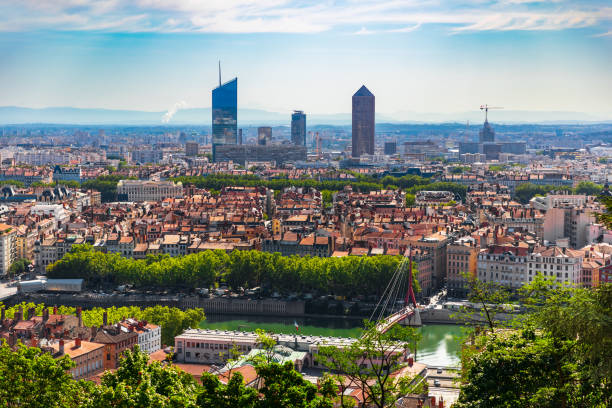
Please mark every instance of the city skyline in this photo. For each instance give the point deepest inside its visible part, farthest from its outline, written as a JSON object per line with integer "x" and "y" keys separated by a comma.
{"x": 451, "y": 56}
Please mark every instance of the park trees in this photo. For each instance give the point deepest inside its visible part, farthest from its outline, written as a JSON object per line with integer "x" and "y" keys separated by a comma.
{"x": 344, "y": 276}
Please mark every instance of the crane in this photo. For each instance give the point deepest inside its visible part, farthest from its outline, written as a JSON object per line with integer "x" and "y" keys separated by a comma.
{"x": 486, "y": 109}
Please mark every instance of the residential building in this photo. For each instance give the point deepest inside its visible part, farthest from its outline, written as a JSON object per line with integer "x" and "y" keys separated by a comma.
{"x": 149, "y": 335}
{"x": 147, "y": 156}
{"x": 278, "y": 154}
{"x": 8, "y": 250}
{"x": 461, "y": 258}
{"x": 87, "y": 356}
{"x": 192, "y": 149}
{"x": 115, "y": 339}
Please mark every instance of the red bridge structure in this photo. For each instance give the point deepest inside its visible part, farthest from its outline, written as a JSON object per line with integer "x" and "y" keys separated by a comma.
{"x": 398, "y": 304}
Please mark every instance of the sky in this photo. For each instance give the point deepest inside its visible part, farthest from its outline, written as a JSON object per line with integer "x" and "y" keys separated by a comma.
{"x": 415, "y": 56}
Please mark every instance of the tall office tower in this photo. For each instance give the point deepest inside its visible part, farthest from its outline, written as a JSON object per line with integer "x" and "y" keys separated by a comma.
{"x": 225, "y": 113}
{"x": 239, "y": 136}
{"x": 298, "y": 128}
{"x": 486, "y": 134}
{"x": 264, "y": 136}
{"x": 363, "y": 122}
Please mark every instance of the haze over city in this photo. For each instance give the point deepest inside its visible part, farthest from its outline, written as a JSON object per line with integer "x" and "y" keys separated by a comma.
{"x": 424, "y": 60}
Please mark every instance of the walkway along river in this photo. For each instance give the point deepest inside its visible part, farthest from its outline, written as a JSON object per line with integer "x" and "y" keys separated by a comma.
{"x": 440, "y": 344}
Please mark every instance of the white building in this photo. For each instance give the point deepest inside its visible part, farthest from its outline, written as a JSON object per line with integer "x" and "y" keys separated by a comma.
{"x": 508, "y": 268}
{"x": 147, "y": 190}
{"x": 7, "y": 247}
{"x": 562, "y": 264}
{"x": 149, "y": 335}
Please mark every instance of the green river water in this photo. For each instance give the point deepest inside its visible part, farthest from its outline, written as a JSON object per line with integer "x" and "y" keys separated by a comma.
{"x": 439, "y": 345}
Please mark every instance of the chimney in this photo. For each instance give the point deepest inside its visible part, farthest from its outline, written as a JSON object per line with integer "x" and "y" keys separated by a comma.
{"x": 61, "y": 346}
{"x": 34, "y": 342}
{"x": 55, "y": 310}
{"x": 94, "y": 330}
{"x": 19, "y": 314}
{"x": 45, "y": 315}
{"x": 12, "y": 340}
{"x": 79, "y": 312}
{"x": 441, "y": 403}
{"x": 433, "y": 401}
{"x": 77, "y": 342}
{"x": 105, "y": 319}
{"x": 410, "y": 361}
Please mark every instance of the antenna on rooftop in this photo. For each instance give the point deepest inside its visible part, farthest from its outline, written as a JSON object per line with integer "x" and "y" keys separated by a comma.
{"x": 219, "y": 72}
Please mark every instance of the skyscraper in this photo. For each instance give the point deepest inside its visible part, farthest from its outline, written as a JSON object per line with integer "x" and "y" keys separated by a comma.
{"x": 363, "y": 122}
{"x": 264, "y": 135}
{"x": 298, "y": 128}
{"x": 225, "y": 113}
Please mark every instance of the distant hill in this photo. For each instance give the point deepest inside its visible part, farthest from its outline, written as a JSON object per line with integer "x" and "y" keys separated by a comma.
{"x": 202, "y": 116}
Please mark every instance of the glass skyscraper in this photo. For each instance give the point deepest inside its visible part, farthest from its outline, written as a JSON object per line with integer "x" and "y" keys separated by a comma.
{"x": 298, "y": 128}
{"x": 225, "y": 113}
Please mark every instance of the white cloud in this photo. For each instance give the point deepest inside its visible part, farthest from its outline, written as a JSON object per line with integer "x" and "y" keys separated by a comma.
{"x": 299, "y": 16}
{"x": 406, "y": 29}
{"x": 364, "y": 31}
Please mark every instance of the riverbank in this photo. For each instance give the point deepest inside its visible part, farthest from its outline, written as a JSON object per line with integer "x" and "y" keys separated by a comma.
{"x": 439, "y": 346}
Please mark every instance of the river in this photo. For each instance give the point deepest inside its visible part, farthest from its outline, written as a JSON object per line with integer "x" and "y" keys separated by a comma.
{"x": 439, "y": 346}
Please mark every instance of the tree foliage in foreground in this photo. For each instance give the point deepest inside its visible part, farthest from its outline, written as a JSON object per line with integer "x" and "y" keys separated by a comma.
{"x": 343, "y": 276}
{"x": 369, "y": 365}
{"x": 558, "y": 355}
{"x": 31, "y": 378}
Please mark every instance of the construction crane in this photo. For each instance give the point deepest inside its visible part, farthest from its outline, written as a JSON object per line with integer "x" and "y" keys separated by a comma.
{"x": 486, "y": 109}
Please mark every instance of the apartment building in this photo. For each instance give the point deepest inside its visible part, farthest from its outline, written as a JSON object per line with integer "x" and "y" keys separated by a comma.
{"x": 461, "y": 257}
{"x": 8, "y": 249}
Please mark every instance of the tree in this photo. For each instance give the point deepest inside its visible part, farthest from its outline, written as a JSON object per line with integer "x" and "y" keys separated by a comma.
{"x": 370, "y": 364}
{"x": 30, "y": 377}
{"x": 487, "y": 300}
{"x": 235, "y": 394}
{"x": 285, "y": 387}
{"x": 140, "y": 383}
{"x": 526, "y": 191}
{"x": 558, "y": 355}
{"x": 588, "y": 188}
{"x": 410, "y": 200}
{"x": 519, "y": 369}
{"x": 19, "y": 266}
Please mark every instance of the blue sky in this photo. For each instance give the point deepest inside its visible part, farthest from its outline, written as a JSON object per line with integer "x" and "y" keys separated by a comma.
{"x": 415, "y": 56}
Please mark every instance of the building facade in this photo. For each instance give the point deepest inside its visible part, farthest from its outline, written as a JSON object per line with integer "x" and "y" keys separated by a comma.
{"x": 241, "y": 154}
{"x": 192, "y": 149}
{"x": 147, "y": 190}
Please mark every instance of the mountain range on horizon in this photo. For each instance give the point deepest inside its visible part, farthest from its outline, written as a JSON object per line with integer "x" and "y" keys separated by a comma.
{"x": 12, "y": 115}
